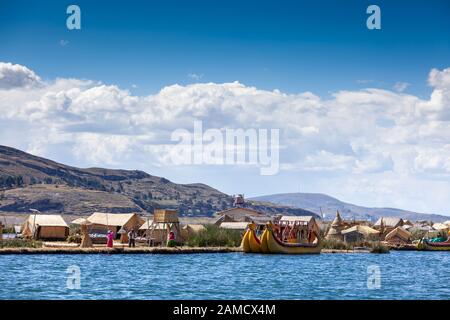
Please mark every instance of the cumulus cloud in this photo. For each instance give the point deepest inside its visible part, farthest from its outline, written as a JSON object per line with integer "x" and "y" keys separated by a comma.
{"x": 440, "y": 79}
{"x": 17, "y": 76}
{"x": 382, "y": 136}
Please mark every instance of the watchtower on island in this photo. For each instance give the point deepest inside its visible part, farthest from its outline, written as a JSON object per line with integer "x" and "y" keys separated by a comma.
{"x": 164, "y": 221}
{"x": 238, "y": 200}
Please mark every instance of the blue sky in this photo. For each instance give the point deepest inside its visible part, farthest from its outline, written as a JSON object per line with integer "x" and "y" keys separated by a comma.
{"x": 364, "y": 114}
{"x": 317, "y": 46}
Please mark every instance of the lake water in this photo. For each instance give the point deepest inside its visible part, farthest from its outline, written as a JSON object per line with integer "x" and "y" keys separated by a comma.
{"x": 403, "y": 275}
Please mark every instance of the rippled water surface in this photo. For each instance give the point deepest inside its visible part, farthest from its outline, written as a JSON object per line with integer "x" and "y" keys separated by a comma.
{"x": 404, "y": 275}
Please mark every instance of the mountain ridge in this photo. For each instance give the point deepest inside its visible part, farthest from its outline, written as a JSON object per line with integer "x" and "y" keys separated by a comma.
{"x": 322, "y": 203}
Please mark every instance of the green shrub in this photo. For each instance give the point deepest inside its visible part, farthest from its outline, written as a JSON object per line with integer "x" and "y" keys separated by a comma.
{"x": 377, "y": 247}
{"x": 20, "y": 243}
{"x": 373, "y": 246}
{"x": 417, "y": 234}
{"x": 171, "y": 243}
{"x": 335, "y": 244}
{"x": 74, "y": 238}
{"x": 214, "y": 236}
{"x": 73, "y": 230}
{"x": 8, "y": 230}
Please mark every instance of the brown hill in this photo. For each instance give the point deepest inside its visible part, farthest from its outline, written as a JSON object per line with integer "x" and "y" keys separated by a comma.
{"x": 29, "y": 182}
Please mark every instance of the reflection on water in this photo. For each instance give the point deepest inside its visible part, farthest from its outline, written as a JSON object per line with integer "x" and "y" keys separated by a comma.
{"x": 404, "y": 275}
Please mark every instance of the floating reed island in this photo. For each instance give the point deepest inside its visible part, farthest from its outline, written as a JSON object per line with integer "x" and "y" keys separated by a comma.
{"x": 237, "y": 229}
{"x": 118, "y": 250}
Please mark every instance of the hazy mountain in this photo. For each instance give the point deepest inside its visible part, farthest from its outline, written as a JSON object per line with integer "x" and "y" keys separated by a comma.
{"x": 27, "y": 181}
{"x": 317, "y": 202}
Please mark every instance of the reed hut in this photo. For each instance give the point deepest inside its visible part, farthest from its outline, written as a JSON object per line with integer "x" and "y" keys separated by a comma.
{"x": 441, "y": 227}
{"x": 46, "y": 227}
{"x": 387, "y": 224}
{"x": 189, "y": 230}
{"x": 238, "y": 214}
{"x": 241, "y": 226}
{"x": 334, "y": 233}
{"x": 102, "y": 222}
{"x": 360, "y": 233}
{"x": 398, "y": 236}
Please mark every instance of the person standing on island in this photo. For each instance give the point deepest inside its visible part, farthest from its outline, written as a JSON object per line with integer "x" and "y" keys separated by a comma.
{"x": 171, "y": 239}
{"x": 109, "y": 239}
{"x": 131, "y": 238}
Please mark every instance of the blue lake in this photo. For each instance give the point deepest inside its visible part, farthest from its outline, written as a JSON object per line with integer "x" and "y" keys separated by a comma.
{"x": 403, "y": 275}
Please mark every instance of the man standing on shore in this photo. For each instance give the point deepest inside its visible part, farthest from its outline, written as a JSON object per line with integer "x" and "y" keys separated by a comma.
{"x": 131, "y": 238}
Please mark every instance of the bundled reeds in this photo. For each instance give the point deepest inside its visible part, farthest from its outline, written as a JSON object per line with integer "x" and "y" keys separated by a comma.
{"x": 214, "y": 236}
{"x": 20, "y": 243}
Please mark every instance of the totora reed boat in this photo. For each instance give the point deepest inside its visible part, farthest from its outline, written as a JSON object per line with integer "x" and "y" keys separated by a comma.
{"x": 426, "y": 245}
{"x": 270, "y": 243}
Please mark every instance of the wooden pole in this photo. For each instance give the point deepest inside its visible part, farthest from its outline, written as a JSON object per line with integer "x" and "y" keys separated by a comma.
{"x": 147, "y": 232}
{"x": 34, "y": 226}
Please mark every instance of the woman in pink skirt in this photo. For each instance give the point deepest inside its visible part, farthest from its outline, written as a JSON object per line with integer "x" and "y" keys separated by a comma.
{"x": 109, "y": 239}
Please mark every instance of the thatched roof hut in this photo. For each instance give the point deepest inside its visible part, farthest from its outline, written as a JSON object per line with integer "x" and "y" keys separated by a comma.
{"x": 398, "y": 236}
{"x": 334, "y": 233}
{"x": 440, "y": 227}
{"x": 388, "y": 222}
{"x": 234, "y": 225}
{"x": 237, "y": 214}
{"x": 359, "y": 233}
{"x": 114, "y": 221}
{"x": 45, "y": 226}
{"x": 191, "y": 229}
{"x": 194, "y": 228}
{"x": 337, "y": 222}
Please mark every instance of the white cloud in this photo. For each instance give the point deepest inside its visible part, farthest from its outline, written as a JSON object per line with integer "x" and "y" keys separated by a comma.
{"x": 401, "y": 86}
{"x": 440, "y": 79}
{"x": 382, "y": 137}
{"x": 195, "y": 76}
{"x": 17, "y": 76}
